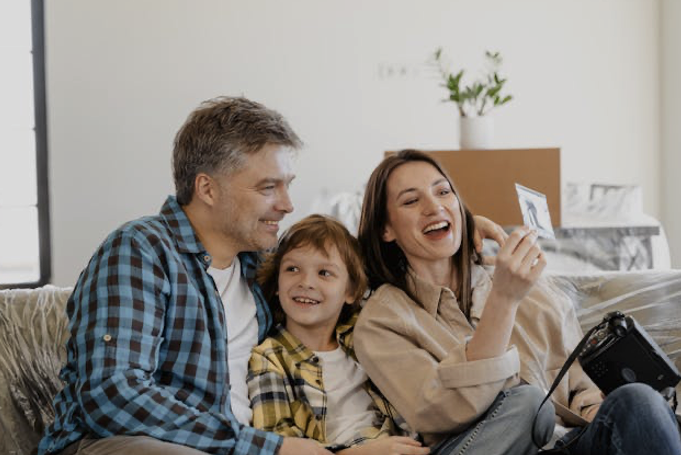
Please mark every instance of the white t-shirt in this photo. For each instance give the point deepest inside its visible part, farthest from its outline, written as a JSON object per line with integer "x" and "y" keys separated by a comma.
{"x": 348, "y": 406}
{"x": 242, "y": 333}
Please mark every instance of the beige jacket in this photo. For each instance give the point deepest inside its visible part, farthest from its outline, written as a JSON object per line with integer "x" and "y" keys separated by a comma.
{"x": 414, "y": 351}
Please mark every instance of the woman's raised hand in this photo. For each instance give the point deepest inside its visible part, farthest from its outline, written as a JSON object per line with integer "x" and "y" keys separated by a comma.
{"x": 519, "y": 264}
{"x": 487, "y": 229}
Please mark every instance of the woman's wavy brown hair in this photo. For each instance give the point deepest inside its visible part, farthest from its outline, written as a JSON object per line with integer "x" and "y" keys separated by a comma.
{"x": 385, "y": 261}
{"x": 321, "y": 233}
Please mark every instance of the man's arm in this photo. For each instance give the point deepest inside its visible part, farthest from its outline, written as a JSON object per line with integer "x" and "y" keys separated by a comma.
{"x": 117, "y": 324}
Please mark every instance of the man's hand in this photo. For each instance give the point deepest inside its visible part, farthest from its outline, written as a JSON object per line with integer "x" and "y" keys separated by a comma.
{"x": 487, "y": 229}
{"x": 393, "y": 445}
{"x": 301, "y": 446}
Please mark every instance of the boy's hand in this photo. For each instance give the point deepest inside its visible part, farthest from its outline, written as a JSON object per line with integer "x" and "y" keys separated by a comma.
{"x": 302, "y": 446}
{"x": 394, "y": 445}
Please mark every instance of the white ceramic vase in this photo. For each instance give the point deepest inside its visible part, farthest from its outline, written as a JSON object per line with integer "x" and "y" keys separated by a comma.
{"x": 476, "y": 132}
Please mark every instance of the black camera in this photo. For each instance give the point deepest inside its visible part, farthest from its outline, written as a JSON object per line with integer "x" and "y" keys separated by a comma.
{"x": 619, "y": 351}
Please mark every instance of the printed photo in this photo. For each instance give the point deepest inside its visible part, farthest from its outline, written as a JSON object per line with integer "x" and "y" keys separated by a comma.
{"x": 535, "y": 211}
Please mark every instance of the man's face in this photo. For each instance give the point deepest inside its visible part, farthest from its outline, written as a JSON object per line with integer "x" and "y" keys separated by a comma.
{"x": 252, "y": 200}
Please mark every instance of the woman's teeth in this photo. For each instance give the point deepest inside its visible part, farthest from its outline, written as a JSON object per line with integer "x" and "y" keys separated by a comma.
{"x": 435, "y": 226}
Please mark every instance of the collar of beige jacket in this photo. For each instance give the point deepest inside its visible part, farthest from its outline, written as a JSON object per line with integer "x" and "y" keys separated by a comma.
{"x": 429, "y": 295}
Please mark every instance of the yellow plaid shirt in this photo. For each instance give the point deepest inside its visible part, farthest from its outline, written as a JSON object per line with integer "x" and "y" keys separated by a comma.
{"x": 285, "y": 376}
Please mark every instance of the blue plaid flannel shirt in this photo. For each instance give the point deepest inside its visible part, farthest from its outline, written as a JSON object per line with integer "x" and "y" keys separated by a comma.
{"x": 148, "y": 347}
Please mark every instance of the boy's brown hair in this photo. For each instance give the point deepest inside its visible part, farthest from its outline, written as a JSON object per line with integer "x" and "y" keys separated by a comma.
{"x": 319, "y": 232}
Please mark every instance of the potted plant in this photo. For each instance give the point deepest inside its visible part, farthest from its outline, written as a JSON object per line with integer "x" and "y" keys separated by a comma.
{"x": 475, "y": 100}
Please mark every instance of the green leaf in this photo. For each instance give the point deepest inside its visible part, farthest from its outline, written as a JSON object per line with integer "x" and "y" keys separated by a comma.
{"x": 480, "y": 95}
{"x": 493, "y": 91}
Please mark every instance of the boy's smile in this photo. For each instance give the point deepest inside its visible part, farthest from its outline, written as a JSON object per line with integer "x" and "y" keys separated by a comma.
{"x": 313, "y": 287}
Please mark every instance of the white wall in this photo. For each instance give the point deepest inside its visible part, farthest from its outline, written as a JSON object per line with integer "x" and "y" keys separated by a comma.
{"x": 122, "y": 76}
{"x": 671, "y": 134}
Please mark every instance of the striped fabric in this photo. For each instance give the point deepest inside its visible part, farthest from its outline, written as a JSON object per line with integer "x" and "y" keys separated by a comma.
{"x": 285, "y": 377}
{"x": 148, "y": 347}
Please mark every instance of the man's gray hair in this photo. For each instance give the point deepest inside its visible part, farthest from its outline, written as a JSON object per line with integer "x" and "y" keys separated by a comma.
{"x": 218, "y": 135}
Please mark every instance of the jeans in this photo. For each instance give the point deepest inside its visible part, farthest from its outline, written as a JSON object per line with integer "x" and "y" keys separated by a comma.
{"x": 633, "y": 420}
{"x": 506, "y": 427}
{"x": 128, "y": 445}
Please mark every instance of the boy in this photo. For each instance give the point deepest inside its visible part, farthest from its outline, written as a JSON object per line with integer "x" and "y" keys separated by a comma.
{"x": 304, "y": 380}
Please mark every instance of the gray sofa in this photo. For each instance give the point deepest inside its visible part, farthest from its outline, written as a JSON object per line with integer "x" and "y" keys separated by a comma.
{"x": 33, "y": 331}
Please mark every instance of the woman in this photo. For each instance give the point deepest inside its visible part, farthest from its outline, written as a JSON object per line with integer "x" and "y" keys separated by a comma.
{"x": 450, "y": 345}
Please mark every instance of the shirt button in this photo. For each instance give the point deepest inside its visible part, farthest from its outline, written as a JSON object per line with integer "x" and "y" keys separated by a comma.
{"x": 107, "y": 337}
{"x": 206, "y": 258}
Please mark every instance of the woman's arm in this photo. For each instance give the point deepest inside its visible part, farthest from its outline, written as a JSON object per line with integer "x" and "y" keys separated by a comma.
{"x": 519, "y": 265}
{"x": 434, "y": 390}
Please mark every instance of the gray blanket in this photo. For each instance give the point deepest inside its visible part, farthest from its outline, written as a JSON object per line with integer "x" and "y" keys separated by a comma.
{"x": 33, "y": 333}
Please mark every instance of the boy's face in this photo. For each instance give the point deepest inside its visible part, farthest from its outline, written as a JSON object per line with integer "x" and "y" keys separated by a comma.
{"x": 313, "y": 288}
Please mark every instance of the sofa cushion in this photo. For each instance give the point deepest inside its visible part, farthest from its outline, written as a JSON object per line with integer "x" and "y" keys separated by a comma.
{"x": 33, "y": 333}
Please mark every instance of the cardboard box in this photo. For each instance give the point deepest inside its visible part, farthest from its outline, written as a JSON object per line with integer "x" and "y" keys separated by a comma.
{"x": 486, "y": 180}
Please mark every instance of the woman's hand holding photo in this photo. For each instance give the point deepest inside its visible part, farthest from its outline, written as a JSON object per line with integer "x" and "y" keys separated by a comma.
{"x": 519, "y": 264}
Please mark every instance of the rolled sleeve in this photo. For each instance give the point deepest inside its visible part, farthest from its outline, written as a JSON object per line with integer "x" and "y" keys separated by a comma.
{"x": 455, "y": 371}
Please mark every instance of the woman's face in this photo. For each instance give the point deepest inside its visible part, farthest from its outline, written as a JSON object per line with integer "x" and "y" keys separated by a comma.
{"x": 424, "y": 216}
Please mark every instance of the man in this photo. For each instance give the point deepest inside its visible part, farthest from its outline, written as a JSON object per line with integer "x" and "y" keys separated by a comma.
{"x": 164, "y": 316}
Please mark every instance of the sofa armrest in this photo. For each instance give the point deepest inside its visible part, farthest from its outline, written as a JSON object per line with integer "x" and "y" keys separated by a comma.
{"x": 33, "y": 334}
{"x": 653, "y": 298}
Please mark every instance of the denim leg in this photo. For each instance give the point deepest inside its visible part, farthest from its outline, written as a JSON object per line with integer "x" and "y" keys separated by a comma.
{"x": 506, "y": 427}
{"x": 634, "y": 419}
